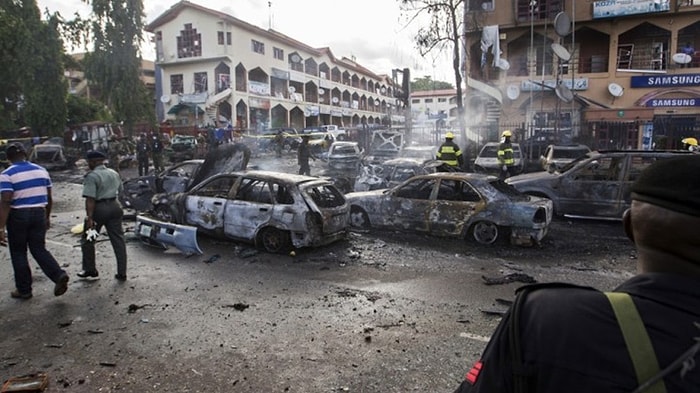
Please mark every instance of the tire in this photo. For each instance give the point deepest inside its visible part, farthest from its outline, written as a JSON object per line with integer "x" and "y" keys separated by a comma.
{"x": 485, "y": 232}
{"x": 163, "y": 213}
{"x": 359, "y": 218}
{"x": 274, "y": 240}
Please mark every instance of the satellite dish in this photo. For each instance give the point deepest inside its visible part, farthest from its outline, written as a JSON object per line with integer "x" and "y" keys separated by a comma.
{"x": 321, "y": 91}
{"x": 513, "y": 91}
{"x": 292, "y": 89}
{"x": 562, "y": 24}
{"x": 165, "y": 98}
{"x": 503, "y": 64}
{"x": 561, "y": 52}
{"x": 681, "y": 58}
{"x": 383, "y": 90}
{"x": 335, "y": 100}
{"x": 376, "y": 102}
{"x": 564, "y": 93}
{"x": 615, "y": 90}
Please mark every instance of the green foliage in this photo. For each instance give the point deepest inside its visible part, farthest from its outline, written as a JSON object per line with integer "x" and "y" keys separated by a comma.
{"x": 82, "y": 110}
{"x": 426, "y": 83}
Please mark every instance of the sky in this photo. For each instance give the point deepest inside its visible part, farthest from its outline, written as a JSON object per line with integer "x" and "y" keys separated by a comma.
{"x": 373, "y": 31}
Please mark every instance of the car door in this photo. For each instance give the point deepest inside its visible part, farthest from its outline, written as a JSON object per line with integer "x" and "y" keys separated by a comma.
{"x": 456, "y": 202}
{"x": 594, "y": 189}
{"x": 408, "y": 206}
{"x": 177, "y": 178}
{"x": 205, "y": 205}
{"x": 251, "y": 207}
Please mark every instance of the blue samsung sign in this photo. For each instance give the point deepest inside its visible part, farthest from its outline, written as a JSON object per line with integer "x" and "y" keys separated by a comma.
{"x": 665, "y": 80}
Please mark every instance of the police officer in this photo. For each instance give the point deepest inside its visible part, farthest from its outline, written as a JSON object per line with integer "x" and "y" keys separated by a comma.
{"x": 566, "y": 338}
{"x": 506, "y": 158}
{"x": 157, "y": 152}
{"x": 142, "y": 150}
{"x": 100, "y": 190}
{"x": 450, "y": 154}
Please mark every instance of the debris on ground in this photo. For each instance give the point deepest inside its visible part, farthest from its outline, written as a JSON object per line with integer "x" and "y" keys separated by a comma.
{"x": 237, "y": 306}
{"x": 508, "y": 278}
{"x": 27, "y": 383}
{"x": 212, "y": 258}
{"x": 133, "y": 307}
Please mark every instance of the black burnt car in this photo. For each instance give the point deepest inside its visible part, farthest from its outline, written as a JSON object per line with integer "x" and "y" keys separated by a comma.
{"x": 182, "y": 147}
{"x": 180, "y": 177}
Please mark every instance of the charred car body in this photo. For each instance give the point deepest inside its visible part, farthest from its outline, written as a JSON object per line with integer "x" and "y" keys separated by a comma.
{"x": 275, "y": 211}
{"x": 49, "y": 155}
{"x": 460, "y": 205}
{"x": 597, "y": 185}
{"x": 180, "y": 177}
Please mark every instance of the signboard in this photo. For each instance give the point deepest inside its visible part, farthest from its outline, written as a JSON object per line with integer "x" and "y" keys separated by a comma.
{"x": 673, "y": 102}
{"x": 259, "y": 103}
{"x": 259, "y": 88}
{"x": 197, "y": 98}
{"x": 576, "y": 84}
{"x": 665, "y": 80}
{"x": 647, "y": 136}
{"x": 617, "y": 8}
{"x": 279, "y": 74}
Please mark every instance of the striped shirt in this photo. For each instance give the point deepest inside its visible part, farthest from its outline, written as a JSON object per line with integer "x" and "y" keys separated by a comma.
{"x": 28, "y": 183}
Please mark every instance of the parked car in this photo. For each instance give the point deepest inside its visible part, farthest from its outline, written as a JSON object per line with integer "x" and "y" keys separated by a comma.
{"x": 139, "y": 191}
{"x": 182, "y": 147}
{"x": 336, "y": 132}
{"x": 454, "y": 204}
{"x": 420, "y": 152}
{"x": 273, "y": 210}
{"x": 556, "y": 157}
{"x": 344, "y": 156}
{"x": 596, "y": 185}
{"x": 487, "y": 160}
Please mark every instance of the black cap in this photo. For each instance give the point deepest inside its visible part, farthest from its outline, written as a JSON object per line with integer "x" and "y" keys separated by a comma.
{"x": 15, "y": 148}
{"x": 95, "y": 155}
{"x": 672, "y": 184}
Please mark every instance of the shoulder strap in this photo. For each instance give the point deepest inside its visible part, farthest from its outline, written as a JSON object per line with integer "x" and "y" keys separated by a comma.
{"x": 639, "y": 347}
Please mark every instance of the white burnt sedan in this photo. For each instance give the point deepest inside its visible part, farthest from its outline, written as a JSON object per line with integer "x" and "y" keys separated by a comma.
{"x": 454, "y": 204}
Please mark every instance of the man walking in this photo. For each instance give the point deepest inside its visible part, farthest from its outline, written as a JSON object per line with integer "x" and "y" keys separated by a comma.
{"x": 100, "y": 190}
{"x": 303, "y": 155}
{"x": 25, "y": 210}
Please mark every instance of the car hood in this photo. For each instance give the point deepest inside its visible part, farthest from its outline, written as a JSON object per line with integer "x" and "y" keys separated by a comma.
{"x": 223, "y": 159}
{"x": 531, "y": 177}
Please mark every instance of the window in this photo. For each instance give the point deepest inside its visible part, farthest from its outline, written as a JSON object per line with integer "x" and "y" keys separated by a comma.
{"x": 189, "y": 42}
{"x": 541, "y": 9}
{"x": 218, "y": 188}
{"x": 415, "y": 101}
{"x": 428, "y": 100}
{"x": 200, "y": 82}
{"x": 278, "y": 53}
{"x": 480, "y": 5}
{"x": 417, "y": 189}
{"x": 220, "y": 37}
{"x": 442, "y": 99}
{"x": 254, "y": 190}
{"x": 257, "y": 47}
{"x": 326, "y": 196}
{"x": 176, "y": 84}
{"x": 228, "y": 38}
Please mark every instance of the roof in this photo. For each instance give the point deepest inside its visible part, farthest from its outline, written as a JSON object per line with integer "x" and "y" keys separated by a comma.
{"x": 178, "y": 7}
{"x": 434, "y": 93}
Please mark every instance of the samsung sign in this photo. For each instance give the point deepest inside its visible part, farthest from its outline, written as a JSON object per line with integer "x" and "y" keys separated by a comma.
{"x": 673, "y": 102}
{"x": 666, "y": 80}
{"x": 616, "y": 8}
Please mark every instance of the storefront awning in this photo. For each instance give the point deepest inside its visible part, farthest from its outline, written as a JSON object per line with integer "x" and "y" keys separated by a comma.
{"x": 175, "y": 109}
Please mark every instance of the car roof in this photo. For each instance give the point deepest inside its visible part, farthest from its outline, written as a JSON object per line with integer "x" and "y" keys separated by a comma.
{"x": 282, "y": 177}
{"x": 570, "y": 147}
{"x": 459, "y": 176}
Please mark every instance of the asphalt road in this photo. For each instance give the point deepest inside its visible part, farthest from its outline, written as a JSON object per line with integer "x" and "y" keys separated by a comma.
{"x": 380, "y": 312}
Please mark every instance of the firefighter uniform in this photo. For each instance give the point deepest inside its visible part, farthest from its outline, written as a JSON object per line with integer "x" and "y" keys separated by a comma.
{"x": 570, "y": 334}
{"x": 450, "y": 153}
{"x": 506, "y": 157}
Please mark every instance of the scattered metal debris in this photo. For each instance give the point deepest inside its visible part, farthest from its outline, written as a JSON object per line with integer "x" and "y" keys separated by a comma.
{"x": 508, "y": 278}
{"x": 237, "y": 306}
{"x": 212, "y": 258}
{"x": 133, "y": 307}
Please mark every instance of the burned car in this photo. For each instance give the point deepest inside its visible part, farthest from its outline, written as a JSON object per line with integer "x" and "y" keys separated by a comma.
{"x": 182, "y": 147}
{"x": 458, "y": 205}
{"x": 596, "y": 185}
{"x": 393, "y": 172}
{"x": 50, "y": 156}
{"x": 556, "y": 157}
{"x": 344, "y": 156}
{"x": 384, "y": 145}
{"x": 273, "y": 210}
{"x": 139, "y": 191}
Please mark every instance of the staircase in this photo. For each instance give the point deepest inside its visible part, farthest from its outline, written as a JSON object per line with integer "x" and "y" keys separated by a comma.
{"x": 212, "y": 105}
{"x": 493, "y": 111}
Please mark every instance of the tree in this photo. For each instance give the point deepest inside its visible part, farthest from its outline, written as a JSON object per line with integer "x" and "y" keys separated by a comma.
{"x": 115, "y": 31}
{"x": 427, "y": 83}
{"x": 442, "y": 32}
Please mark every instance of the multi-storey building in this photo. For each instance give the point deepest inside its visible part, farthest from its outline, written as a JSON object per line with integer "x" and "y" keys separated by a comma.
{"x": 614, "y": 73}
{"x": 214, "y": 69}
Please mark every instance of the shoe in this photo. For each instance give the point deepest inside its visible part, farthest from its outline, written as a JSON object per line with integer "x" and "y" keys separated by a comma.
{"x": 120, "y": 277}
{"x": 61, "y": 285}
{"x": 17, "y": 295}
{"x": 86, "y": 274}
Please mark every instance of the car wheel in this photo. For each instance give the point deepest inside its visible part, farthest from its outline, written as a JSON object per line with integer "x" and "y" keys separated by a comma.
{"x": 359, "y": 218}
{"x": 485, "y": 232}
{"x": 163, "y": 213}
{"x": 274, "y": 240}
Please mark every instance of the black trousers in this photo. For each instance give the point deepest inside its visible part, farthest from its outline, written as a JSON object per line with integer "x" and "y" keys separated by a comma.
{"x": 108, "y": 214}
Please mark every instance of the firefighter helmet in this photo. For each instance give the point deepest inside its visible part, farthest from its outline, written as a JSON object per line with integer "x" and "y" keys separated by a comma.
{"x": 506, "y": 133}
{"x": 690, "y": 141}
{"x": 449, "y": 135}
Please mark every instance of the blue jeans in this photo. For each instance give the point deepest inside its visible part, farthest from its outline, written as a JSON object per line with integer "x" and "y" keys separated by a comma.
{"x": 27, "y": 228}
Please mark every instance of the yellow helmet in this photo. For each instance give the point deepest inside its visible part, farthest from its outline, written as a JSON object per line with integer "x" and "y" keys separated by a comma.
{"x": 506, "y": 133}
{"x": 449, "y": 135}
{"x": 690, "y": 141}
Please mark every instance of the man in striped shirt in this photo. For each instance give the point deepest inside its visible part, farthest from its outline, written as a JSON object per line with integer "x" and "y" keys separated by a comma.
{"x": 25, "y": 208}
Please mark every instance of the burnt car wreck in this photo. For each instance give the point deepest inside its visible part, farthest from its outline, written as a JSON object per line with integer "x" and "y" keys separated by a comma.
{"x": 274, "y": 211}
{"x": 457, "y": 205}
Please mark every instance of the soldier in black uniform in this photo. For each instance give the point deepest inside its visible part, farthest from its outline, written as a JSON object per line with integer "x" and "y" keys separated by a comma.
{"x": 566, "y": 338}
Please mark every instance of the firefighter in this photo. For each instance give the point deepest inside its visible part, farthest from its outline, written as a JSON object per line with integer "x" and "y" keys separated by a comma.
{"x": 690, "y": 144}
{"x": 450, "y": 154}
{"x": 506, "y": 160}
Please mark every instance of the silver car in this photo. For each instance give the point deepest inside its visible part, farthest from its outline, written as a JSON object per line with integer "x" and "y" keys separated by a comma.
{"x": 275, "y": 211}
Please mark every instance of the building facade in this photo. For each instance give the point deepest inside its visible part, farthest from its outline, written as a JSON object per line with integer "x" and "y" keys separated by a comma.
{"x": 615, "y": 74}
{"x": 213, "y": 69}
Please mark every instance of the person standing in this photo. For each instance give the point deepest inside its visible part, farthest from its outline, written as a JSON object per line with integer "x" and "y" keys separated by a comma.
{"x": 450, "y": 153}
{"x": 568, "y": 338}
{"x": 142, "y": 150}
{"x": 100, "y": 190}
{"x": 114, "y": 152}
{"x": 157, "y": 153}
{"x": 506, "y": 157}
{"x": 25, "y": 210}
{"x": 279, "y": 143}
{"x": 303, "y": 155}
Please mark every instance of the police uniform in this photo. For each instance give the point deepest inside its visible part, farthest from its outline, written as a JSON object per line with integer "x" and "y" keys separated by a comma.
{"x": 570, "y": 334}
{"x": 103, "y": 185}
